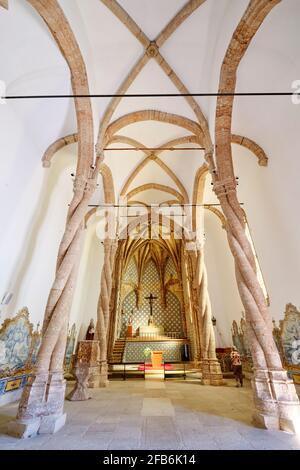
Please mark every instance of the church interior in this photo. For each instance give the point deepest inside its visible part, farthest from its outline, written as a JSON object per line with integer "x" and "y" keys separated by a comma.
{"x": 149, "y": 238}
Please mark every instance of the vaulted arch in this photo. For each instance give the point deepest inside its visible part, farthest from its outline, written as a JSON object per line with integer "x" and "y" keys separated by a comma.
{"x": 158, "y": 187}
{"x": 153, "y": 156}
{"x": 153, "y": 115}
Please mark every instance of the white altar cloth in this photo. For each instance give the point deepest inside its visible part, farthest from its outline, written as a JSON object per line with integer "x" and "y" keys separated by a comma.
{"x": 149, "y": 330}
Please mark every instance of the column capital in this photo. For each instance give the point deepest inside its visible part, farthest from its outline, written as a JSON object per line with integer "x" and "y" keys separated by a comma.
{"x": 99, "y": 152}
{"x": 209, "y": 153}
{"x": 225, "y": 186}
{"x": 79, "y": 183}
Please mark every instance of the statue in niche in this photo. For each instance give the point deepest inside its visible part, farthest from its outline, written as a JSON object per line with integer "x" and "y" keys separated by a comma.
{"x": 130, "y": 318}
{"x": 244, "y": 336}
{"x": 237, "y": 338}
{"x": 277, "y": 338}
{"x": 129, "y": 325}
{"x": 90, "y": 331}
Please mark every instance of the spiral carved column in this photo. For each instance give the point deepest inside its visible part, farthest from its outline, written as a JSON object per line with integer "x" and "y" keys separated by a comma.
{"x": 206, "y": 352}
{"x": 275, "y": 398}
{"x": 211, "y": 369}
{"x": 103, "y": 309}
{"x": 194, "y": 290}
{"x": 113, "y": 329}
{"x": 42, "y": 402}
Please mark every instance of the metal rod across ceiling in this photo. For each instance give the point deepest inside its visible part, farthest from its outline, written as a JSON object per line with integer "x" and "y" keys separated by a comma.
{"x": 148, "y": 95}
{"x": 129, "y": 206}
{"x": 154, "y": 149}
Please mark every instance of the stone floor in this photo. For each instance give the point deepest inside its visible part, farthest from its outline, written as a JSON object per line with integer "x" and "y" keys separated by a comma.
{"x": 150, "y": 414}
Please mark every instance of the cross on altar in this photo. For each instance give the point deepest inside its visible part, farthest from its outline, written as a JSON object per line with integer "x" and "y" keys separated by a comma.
{"x": 151, "y": 298}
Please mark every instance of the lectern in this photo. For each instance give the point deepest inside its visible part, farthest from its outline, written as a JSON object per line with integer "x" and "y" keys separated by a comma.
{"x": 156, "y": 359}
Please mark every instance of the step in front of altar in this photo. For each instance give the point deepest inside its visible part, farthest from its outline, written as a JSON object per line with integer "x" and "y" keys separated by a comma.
{"x": 172, "y": 349}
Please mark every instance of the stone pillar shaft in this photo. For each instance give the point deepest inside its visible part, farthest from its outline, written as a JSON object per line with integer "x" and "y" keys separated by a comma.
{"x": 276, "y": 402}
{"x": 103, "y": 309}
{"x": 41, "y": 405}
{"x": 211, "y": 369}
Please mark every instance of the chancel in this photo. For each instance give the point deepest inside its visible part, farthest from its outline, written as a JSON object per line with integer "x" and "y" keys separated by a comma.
{"x": 128, "y": 130}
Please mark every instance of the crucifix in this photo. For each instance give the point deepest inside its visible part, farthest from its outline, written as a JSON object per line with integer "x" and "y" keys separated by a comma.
{"x": 151, "y": 298}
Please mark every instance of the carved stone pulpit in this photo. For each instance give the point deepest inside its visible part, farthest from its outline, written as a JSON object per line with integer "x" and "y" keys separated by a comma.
{"x": 88, "y": 354}
{"x": 80, "y": 391}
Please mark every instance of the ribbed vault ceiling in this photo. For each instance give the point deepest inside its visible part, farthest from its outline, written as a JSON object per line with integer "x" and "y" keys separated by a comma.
{"x": 116, "y": 42}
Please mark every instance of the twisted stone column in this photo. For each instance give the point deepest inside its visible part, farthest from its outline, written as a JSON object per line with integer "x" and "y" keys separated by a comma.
{"x": 194, "y": 302}
{"x": 275, "y": 398}
{"x": 113, "y": 324}
{"x": 211, "y": 369}
{"x": 41, "y": 405}
{"x": 103, "y": 309}
{"x": 206, "y": 354}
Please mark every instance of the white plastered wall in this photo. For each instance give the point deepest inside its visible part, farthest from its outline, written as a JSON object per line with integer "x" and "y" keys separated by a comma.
{"x": 33, "y": 230}
{"x": 85, "y": 301}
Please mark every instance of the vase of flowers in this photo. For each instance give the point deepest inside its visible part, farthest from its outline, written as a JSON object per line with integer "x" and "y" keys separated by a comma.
{"x": 147, "y": 353}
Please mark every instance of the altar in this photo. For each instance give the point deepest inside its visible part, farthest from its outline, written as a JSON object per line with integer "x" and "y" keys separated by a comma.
{"x": 151, "y": 337}
{"x": 150, "y": 331}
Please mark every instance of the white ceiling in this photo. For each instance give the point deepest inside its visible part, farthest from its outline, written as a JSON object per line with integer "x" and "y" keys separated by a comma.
{"x": 32, "y": 63}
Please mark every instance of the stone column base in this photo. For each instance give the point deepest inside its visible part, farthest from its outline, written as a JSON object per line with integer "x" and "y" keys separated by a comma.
{"x": 276, "y": 402}
{"x": 31, "y": 428}
{"x": 94, "y": 377}
{"x": 23, "y": 430}
{"x": 196, "y": 363}
{"x": 103, "y": 382}
{"x": 275, "y": 422}
{"x": 51, "y": 424}
{"x": 41, "y": 406}
{"x": 211, "y": 372}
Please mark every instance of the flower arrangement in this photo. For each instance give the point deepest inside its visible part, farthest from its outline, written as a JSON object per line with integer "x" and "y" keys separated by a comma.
{"x": 147, "y": 352}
